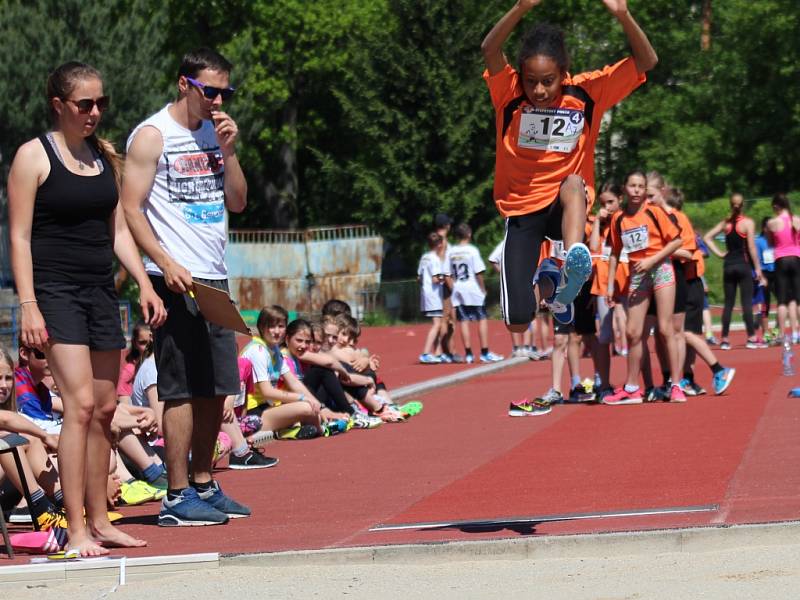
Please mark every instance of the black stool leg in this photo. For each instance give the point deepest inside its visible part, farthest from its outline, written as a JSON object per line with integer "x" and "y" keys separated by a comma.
{"x": 9, "y": 549}
{"x": 25, "y": 489}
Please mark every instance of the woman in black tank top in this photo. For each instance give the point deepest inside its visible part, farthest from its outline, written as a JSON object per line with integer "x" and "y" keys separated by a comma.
{"x": 65, "y": 229}
{"x": 740, "y": 261}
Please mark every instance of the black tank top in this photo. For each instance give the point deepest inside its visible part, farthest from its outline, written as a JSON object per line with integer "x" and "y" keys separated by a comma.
{"x": 736, "y": 243}
{"x": 71, "y": 230}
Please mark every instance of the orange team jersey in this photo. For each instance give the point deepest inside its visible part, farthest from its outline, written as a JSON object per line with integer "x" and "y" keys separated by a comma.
{"x": 643, "y": 234}
{"x": 536, "y": 149}
{"x": 600, "y": 283}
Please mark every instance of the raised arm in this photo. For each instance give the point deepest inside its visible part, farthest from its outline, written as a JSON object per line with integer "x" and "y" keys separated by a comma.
{"x": 641, "y": 49}
{"x": 492, "y": 46}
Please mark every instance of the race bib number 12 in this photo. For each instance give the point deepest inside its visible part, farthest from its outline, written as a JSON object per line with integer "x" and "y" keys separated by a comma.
{"x": 554, "y": 129}
{"x": 635, "y": 239}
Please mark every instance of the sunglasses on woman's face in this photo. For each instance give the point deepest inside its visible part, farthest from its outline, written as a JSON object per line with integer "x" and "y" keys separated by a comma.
{"x": 37, "y": 353}
{"x": 211, "y": 92}
{"x": 85, "y": 105}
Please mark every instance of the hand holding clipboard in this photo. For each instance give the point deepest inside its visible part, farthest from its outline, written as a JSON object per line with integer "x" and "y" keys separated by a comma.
{"x": 217, "y": 307}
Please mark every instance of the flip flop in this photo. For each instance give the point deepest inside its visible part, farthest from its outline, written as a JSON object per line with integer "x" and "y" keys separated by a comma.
{"x": 39, "y": 542}
{"x": 65, "y": 555}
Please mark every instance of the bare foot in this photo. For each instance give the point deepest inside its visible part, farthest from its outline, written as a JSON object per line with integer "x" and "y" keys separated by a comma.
{"x": 111, "y": 537}
{"x": 86, "y": 546}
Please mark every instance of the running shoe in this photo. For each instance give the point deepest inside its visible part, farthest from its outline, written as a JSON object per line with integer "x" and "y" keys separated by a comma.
{"x": 724, "y": 346}
{"x": 261, "y": 438}
{"x": 410, "y": 409}
{"x": 577, "y": 268}
{"x": 676, "y": 394}
{"x": 189, "y": 510}
{"x": 550, "y": 397}
{"x": 519, "y": 353}
{"x": 445, "y": 358}
{"x": 132, "y": 495}
{"x": 161, "y": 482}
{"x": 362, "y": 421}
{"x": 490, "y": 357}
{"x": 335, "y": 427}
{"x": 621, "y": 396}
{"x": 389, "y": 415}
{"x": 429, "y": 359}
{"x": 723, "y": 380}
{"x": 215, "y": 498}
{"x": 712, "y": 341}
{"x": 752, "y": 345}
{"x": 548, "y": 268}
{"x": 20, "y": 515}
{"x": 690, "y": 388}
{"x": 469, "y": 359}
{"x": 604, "y": 393}
{"x": 657, "y": 393}
{"x": 158, "y": 493}
{"x": 535, "y": 354}
{"x": 563, "y": 313}
{"x": 456, "y": 358}
{"x": 525, "y": 408}
{"x": 51, "y": 518}
{"x": 251, "y": 460}
{"x": 579, "y": 394}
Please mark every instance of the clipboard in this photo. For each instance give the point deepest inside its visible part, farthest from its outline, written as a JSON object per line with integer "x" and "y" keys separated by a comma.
{"x": 218, "y": 308}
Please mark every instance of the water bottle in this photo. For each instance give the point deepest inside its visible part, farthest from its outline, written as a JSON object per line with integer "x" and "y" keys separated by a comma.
{"x": 787, "y": 357}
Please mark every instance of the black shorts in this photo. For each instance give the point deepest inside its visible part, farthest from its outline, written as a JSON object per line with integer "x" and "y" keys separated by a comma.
{"x": 195, "y": 358}
{"x": 85, "y": 315}
{"x": 585, "y": 311}
{"x": 9, "y": 495}
{"x": 695, "y": 299}
{"x": 520, "y": 259}
{"x": 787, "y": 279}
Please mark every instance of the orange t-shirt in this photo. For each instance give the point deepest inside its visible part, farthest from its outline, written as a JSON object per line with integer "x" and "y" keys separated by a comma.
{"x": 600, "y": 283}
{"x": 536, "y": 149}
{"x": 642, "y": 234}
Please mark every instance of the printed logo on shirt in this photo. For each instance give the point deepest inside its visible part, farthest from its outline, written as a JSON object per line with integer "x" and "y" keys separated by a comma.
{"x": 554, "y": 129}
{"x": 768, "y": 256}
{"x": 197, "y": 176}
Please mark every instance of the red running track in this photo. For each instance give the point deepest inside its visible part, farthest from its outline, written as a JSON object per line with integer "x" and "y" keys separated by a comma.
{"x": 464, "y": 458}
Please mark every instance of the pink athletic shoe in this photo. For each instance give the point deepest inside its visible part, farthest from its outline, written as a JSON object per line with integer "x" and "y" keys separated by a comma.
{"x": 676, "y": 394}
{"x": 621, "y": 397}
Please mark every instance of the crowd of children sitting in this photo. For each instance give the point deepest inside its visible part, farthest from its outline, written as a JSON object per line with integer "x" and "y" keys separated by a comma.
{"x": 299, "y": 380}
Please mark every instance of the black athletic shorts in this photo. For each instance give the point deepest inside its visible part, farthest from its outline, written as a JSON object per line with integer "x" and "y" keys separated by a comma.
{"x": 787, "y": 279}
{"x": 520, "y": 259}
{"x": 195, "y": 358}
{"x": 585, "y": 311}
{"x": 695, "y": 299}
{"x": 85, "y": 315}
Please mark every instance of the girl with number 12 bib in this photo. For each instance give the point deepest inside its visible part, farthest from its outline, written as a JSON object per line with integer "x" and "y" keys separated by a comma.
{"x": 547, "y": 125}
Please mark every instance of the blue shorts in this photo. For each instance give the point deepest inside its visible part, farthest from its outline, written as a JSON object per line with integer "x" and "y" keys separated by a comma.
{"x": 471, "y": 313}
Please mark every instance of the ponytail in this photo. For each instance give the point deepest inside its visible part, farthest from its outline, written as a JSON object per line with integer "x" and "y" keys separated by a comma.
{"x": 781, "y": 200}
{"x": 114, "y": 159}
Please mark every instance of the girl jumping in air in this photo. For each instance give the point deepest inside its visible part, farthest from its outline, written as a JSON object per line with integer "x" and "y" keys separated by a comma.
{"x": 547, "y": 124}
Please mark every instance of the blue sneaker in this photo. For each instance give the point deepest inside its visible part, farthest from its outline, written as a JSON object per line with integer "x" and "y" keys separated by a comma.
{"x": 577, "y": 269}
{"x": 222, "y": 503}
{"x": 548, "y": 268}
{"x": 445, "y": 358}
{"x": 429, "y": 359}
{"x": 189, "y": 510}
{"x": 723, "y": 379}
{"x": 563, "y": 313}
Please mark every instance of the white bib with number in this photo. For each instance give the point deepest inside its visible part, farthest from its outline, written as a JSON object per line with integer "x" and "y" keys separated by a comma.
{"x": 635, "y": 239}
{"x": 768, "y": 256}
{"x": 554, "y": 129}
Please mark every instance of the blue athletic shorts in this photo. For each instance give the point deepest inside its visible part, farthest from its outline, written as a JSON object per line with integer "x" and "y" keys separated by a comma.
{"x": 471, "y": 313}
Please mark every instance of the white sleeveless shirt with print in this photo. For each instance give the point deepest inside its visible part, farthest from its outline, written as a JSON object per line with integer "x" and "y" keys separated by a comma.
{"x": 186, "y": 205}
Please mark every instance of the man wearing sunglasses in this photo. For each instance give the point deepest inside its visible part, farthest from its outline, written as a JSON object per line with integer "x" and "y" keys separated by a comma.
{"x": 181, "y": 175}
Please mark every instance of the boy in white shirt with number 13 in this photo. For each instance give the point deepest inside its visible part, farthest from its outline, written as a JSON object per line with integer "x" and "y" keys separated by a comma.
{"x": 464, "y": 268}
